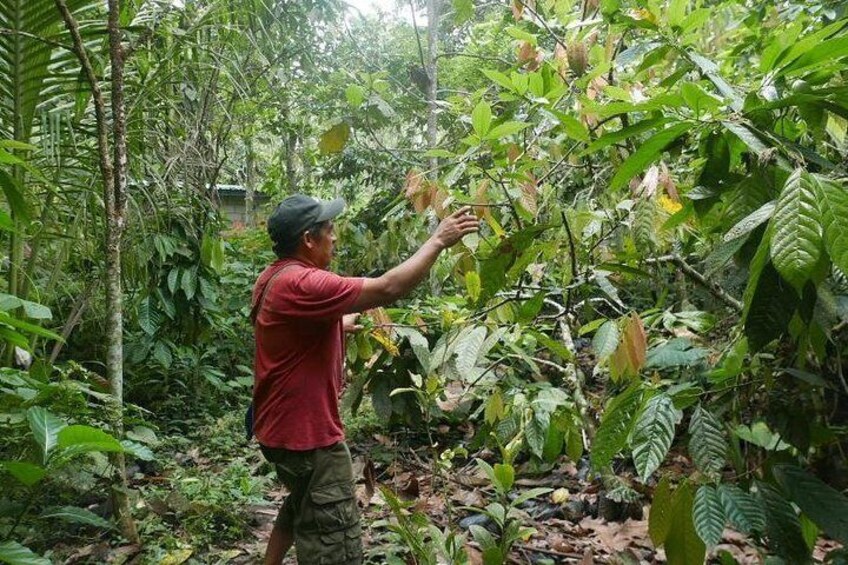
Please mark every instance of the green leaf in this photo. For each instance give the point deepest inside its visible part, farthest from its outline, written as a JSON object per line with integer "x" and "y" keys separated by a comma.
{"x": 647, "y": 153}
{"x": 505, "y": 475}
{"x": 605, "y": 340}
{"x": 833, "y": 206}
{"x": 76, "y": 515}
{"x": 14, "y": 553}
{"x": 481, "y": 118}
{"x": 824, "y": 505}
{"x": 188, "y": 283}
{"x": 499, "y": 78}
{"x": 26, "y": 473}
{"x": 45, "y": 427}
{"x": 472, "y": 285}
{"x": 769, "y": 301}
{"x": 742, "y": 509}
{"x": 750, "y": 222}
{"x": 463, "y": 10}
{"x": 149, "y": 319}
{"x": 683, "y": 545}
{"x": 797, "y": 233}
{"x": 659, "y": 520}
{"x": 615, "y": 427}
{"x": 782, "y": 526}
{"x": 572, "y": 126}
{"x": 505, "y": 129}
{"x": 532, "y": 493}
{"x": 86, "y": 438}
{"x": 173, "y": 279}
{"x": 708, "y": 515}
{"x": 334, "y": 139}
{"x": 468, "y": 349}
{"x": 828, "y": 50}
{"x": 14, "y": 195}
{"x": 138, "y": 450}
{"x": 707, "y": 444}
{"x": 676, "y": 12}
{"x": 355, "y": 95}
{"x": 621, "y": 134}
{"x": 652, "y": 435}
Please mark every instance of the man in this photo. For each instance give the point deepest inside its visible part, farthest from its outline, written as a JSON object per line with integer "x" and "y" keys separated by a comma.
{"x": 301, "y": 311}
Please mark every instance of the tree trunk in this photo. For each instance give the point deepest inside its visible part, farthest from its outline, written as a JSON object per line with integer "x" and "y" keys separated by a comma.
{"x": 114, "y": 292}
{"x": 291, "y": 162}
{"x": 113, "y": 169}
{"x": 432, "y": 89}
{"x": 249, "y": 186}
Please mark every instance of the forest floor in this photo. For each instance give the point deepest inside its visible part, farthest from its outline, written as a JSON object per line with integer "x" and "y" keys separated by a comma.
{"x": 211, "y": 498}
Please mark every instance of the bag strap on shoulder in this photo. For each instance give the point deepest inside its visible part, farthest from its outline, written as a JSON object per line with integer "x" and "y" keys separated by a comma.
{"x": 254, "y": 311}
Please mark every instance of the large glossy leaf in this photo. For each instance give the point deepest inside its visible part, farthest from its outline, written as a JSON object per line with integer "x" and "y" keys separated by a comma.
{"x": 782, "y": 526}
{"x": 86, "y": 438}
{"x": 743, "y": 510}
{"x": 707, "y": 444}
{"x": 769, "y": 300}
{"x": 616, "y": 425}
{"x": 683, "y": 545}
{"x": 605, "y": 340}
{"x": 796, "y": 241}
{"x": 833, "y": 204}
{"x": 621, "y": 134}
{"x": 481, "y": 118}
{"x": 825, "y": 505}
{"x": 27, "y": 473}
{"x": 14, "y": 553}
{"x": 45, "y": 427}
{"x": 647, "y": 153}
{"x": 76, "y": 515}
{"x": 708, "y": 515}
{"x": 659, "y": 520}
{"x": 468, "y": 349}
{"x": 652, "y": 435}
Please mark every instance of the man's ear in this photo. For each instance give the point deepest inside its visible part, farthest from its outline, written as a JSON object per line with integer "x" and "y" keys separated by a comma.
{"x": 307, "y": 240}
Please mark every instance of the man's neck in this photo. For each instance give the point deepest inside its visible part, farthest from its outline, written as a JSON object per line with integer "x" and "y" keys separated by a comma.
{"x": 303, "y": 258}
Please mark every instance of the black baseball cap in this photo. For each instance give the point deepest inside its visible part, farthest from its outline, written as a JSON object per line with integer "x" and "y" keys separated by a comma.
{"x": 297, "y": 213}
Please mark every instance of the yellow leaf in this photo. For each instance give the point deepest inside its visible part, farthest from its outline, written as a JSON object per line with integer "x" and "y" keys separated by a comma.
{"x": 176, "y": 557}
{"x": 334, "y": 139}
{"x": 383, "y": 339}
{"x": 472, "y": 285}
{"x": 560, "y": 496}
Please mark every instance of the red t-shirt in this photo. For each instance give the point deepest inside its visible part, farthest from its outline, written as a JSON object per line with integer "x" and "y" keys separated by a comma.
{"x": 299, "y": 355}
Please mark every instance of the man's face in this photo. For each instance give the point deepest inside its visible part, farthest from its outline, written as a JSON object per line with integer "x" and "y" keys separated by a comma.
{"x": 322, "y": 244}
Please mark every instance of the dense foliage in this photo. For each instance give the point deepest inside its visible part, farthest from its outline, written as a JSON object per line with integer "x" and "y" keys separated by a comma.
{"x": 660, "y": 283}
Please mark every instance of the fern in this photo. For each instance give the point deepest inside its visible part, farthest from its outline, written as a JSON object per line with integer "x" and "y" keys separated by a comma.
{"x": 707, "y": 444}
{"x": 708, "y": 515}
{"x": 652, "y": 435}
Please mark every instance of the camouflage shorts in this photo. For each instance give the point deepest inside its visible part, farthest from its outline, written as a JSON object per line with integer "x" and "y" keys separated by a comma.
{"x": 320, "y": 509}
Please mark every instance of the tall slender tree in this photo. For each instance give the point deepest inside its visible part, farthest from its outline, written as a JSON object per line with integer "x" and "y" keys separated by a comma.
{"x": 112, "y": 149}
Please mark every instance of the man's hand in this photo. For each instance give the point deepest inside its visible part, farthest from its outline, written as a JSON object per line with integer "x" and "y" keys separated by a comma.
{"x": 455, "y": 227}
{"x": 349, "y": 323}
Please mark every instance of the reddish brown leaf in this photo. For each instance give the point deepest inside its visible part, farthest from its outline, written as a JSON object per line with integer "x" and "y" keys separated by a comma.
{"x": 629, "y": 356}
{"x": 529, "y": 195}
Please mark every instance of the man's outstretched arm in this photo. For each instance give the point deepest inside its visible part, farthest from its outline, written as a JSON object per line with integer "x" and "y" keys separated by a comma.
{"x": 398, "y": 282}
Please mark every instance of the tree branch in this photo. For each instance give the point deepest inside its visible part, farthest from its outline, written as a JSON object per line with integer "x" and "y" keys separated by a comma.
{"x": 690, "y": 272}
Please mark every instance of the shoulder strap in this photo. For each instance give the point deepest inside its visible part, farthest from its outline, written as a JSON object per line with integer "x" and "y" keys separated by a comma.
{"x": 254, "y": 311}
